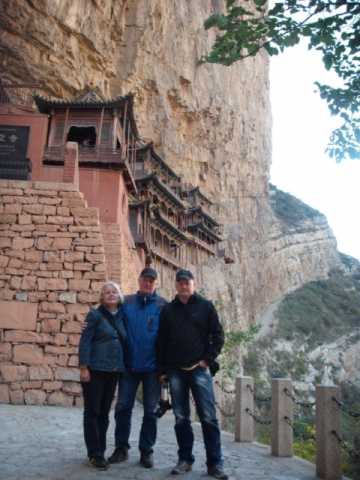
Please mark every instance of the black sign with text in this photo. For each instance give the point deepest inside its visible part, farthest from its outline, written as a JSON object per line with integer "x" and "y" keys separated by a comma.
{"x": 13, "y": 142}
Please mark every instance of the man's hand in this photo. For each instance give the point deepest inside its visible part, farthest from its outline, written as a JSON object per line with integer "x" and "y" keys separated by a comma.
{"x": 203, "y": 364}
{"x": 85, "y": 376}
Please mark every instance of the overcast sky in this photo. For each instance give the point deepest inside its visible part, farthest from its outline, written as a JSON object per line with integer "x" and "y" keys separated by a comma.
{"x": 301, "y": 128}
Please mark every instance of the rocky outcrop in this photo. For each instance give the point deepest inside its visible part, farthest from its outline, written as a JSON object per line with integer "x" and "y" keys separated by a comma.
{"x": 211, "y": 123}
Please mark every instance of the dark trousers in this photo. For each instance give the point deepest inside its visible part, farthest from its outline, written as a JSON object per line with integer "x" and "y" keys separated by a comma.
{"x": 98, "y": 395}
{"x": 199, "y": 382}
{"x": 128, "y": 385}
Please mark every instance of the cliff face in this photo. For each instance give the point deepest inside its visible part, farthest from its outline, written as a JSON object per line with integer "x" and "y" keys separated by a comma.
{"x": 211, "y": 123}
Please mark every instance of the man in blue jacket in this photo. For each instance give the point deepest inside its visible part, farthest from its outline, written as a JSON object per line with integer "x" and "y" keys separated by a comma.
{"x": 142, "y": 312}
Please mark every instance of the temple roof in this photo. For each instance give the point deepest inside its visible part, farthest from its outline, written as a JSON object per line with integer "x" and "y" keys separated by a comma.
{"x": 197, "y": 192}
{"x": 206, "y": 230}
{"x": 90, "y": 100}
{"x": 203, "y": 213}
{"x": 164, "y": 188}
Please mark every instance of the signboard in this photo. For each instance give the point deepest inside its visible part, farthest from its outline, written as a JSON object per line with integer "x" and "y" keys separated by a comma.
{"x": 13, "y": 142}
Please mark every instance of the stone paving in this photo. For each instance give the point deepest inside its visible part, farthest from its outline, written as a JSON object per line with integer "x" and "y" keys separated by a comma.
{"x": 46, "y": 443}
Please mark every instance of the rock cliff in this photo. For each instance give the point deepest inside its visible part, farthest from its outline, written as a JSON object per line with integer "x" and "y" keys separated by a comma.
{"x": 211, "y": 123}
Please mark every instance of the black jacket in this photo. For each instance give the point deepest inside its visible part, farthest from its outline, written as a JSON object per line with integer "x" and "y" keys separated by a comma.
{"x": 188, "y": 333}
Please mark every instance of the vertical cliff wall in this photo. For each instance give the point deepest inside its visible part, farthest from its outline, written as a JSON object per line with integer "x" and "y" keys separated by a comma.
{"x": 211, "y": 123}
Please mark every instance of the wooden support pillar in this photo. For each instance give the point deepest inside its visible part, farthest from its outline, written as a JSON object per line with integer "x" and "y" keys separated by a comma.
{"x": 244, "y": 402}
{"x": 123, "y": 147}
{"x": 328, "y": 450}
{"x": 281, "y": 418}
{"x": 65, "y": 128}
{"x": 114, "y": 129}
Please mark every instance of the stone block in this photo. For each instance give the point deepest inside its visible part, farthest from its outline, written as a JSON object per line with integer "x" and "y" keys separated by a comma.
{"x": 52, "y": 307}
{"x": 4, "y": 394}
{"x": 22, "y": 336}
{"x": 15, "y": 282}
{"x": 61, "y": 399}
{"x": 59, "y": 220}
{"x": 35, "y": 209}
{"x": 63, "y": 211}
{"x": 12, "y": 208}
{"x": 61, "y": 243}
{"x": 5, "y": 352}
{"x": 42, "y": 372}
{"x": 50, "y": 325}
{"x": 18, "y": 315}
{"x": 13, "y": 373}
{"x": 52, "y": 284}
{"x": 17, "y": 397}
{"x": 71, "y": 327}
{"x": 88, "y": 297}
{"x": 5, "y": 242}
{"x": 78, "y": 311}
{"x": 83, "y": 266}
{"x": 68, "y": 297}
{"x": 74, "y": 339}
{"x": 34, "y": 397}
{"x": 79, "y": 285}
{"x": 20, "y": 243}
{"x": 73, "y": 361}
{"x": 21, "y": 296}
{"x": 15, "y": 263}
{"x": 51, "y": 386}
{"x": 49, "y": 210}
{"x": 4, "y": 261}
{"x": 33, "y": 256}
{"x": 74, "y": 388}
{"x": 38, "y": 219}
{"x": 29, "y": 354}
{"x": 50, "y": 201}
{"x": 28, "y": 283}
{"x": 95, "y": 257}
{"x": 67, "y": 374}
{"x": 9, "y": 219}
{"x": 60, "y": 339}
{"x": 74, "y": 256}
{"x": 62, "y": 360}
{"x": 85, "y": 212}
{"x": 44, "y": 243}
{"x": 6, "y": 294}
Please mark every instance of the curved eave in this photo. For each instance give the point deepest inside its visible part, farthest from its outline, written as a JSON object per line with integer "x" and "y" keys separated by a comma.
{"x": 169, "y": 226}
{"x": 207, "y": 231}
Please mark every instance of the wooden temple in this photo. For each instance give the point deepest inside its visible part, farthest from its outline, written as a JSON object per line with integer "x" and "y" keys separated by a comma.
{"x": 169, "y": 223}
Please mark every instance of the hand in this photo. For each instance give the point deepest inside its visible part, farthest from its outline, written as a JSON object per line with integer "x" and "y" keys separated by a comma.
{"x": 203, "y": 364}
{"x": 162, "y": 379}
{"x": 84, "y": 375}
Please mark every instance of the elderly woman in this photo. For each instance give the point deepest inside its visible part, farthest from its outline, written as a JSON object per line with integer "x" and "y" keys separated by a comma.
{"x": 101, "y": 360}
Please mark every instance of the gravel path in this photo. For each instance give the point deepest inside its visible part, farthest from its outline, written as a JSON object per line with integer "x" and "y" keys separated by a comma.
{"x": 46, "y": 443}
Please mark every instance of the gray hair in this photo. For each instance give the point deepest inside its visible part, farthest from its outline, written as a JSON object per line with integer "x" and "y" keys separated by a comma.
{"x": 117, "y": 288}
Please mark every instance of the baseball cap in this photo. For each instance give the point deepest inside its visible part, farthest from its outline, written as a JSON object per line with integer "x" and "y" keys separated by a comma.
{"x": 149, "y": 272}
{"x": 184, "y": 275}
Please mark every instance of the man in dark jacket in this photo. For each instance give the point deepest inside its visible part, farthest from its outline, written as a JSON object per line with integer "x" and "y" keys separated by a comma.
{"x": 141, "y": 312}
{"x": 190, "y": 338}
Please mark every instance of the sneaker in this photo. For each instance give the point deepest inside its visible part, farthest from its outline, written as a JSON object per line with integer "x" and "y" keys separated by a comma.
{"x": 120, "y": 454}
{"x": 217, "y": 472}
{"x": 98, "y": 462}
{"x": 181, "y": 468}
{"x": 147, "y": 459}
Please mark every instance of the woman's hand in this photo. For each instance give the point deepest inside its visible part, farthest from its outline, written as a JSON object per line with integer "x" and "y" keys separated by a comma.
{"x": 84, "y": 375}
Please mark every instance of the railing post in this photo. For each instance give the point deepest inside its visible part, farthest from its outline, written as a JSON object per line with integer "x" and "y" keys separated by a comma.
{"x": 281, "y": 418}
{"x": 244, "y": 399}
{"x": 328, "y": 451}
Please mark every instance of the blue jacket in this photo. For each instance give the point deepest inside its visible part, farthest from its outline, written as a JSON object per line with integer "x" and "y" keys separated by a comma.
{"x": 100, "y": 347}
{"x": 142, "y": 314}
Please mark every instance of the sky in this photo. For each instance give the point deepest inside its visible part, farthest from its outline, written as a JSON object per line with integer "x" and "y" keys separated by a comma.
{"x": 301, "y": 129}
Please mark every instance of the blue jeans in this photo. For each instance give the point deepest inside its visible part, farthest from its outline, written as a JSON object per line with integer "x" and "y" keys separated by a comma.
{"x": 199, "y": 382}
{"x": 128, "y": 385}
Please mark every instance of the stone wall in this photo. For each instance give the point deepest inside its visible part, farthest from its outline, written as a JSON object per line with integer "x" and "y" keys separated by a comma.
{"x": 52, "y": 265}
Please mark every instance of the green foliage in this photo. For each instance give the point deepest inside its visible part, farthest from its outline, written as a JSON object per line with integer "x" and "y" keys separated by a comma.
{"x": 321, "y": 311}
{"x": 290, "y": 209}
{"x": 331, "y": 27}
